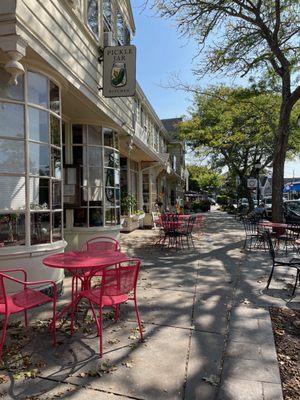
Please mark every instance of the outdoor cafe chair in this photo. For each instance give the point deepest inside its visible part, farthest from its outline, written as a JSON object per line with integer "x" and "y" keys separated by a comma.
{"x": 186, "y": 230}
{"x": 253, "y": 236}
{"x": 290, "y": 262}
{"x": 101, "y": 244}
{"x": 288, "y": 237}
{"x": 23, "y": 300}
{"x": 170, "y": 225}
{"x": 117, "y": 286}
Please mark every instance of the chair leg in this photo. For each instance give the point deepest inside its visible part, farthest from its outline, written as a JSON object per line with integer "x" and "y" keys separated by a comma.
{"x": 3, "y": 334}
{"x": 138, "y": 318}
{"x": 26, "y": 318}
{"x": 100, "y": 332}
{"x": 117, "y": 312}
{"x": 54, "y": 322}
{"x": 296, "y": 281}
{"x": 270, "y": 277}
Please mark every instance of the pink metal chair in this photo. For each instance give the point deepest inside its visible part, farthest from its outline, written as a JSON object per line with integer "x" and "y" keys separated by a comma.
{"x": 117, "y": 286}
{"x": 23, "y": 300}
{"x": 101, "y": 243}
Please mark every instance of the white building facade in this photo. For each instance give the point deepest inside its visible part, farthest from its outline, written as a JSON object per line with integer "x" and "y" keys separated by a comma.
{"x": 66, "y": 152}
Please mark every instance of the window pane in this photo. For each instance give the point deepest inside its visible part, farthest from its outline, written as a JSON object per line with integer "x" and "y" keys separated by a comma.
{"x": 117, "y": 194}
{"x": 109, "y": 177}
{"x": 92, "y": 16}
{"x": 117, "y": 178}
{"x": 38, "y": 125}
{"x": 11, "y": 120}
{"x": 110, "y": 218}
{"x": 108, "y": 137}
{"x": 12, "y": 189}
{"x": 40, "y": 228}
{"x": 80, "y": 217}
{"x": 56, "y": 195}
{"x": 39, "y": 193}
{"x": 118, "y": 216}
{"x": 56, "y": 226}
{"x": 55, "y": 130}
{"x": 95, "y": 176}
{"x": 110, "y": 197}
{"x": 39, "y": 160}
{"x": 96, "y": 218}
{"x": 120, "y": 28}
{"x": 38, "y": 89}
{"x": 9, "y": 91}
{"x": 127, "y": 36}
{"x": 12, "y": 156}
{"x": 77, "y": 132}
{"x": 95, "y": 196}
{"x": 107, "y": 10}
{"x": 95, "y": 156}
{"x": 95, "y": 135}
{"x": 12, "y": 230}
{"x": 78, "y": 154}
{"x": 56, "y": 163}
{"x": 111, "y": 158}
{"x": 54, "y": 98}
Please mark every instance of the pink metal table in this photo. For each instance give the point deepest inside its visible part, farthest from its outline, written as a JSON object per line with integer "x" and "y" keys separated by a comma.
{"x": 81, "y": 264}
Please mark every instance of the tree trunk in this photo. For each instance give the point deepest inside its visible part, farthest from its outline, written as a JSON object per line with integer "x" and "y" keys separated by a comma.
{"x": 281, "y": 142}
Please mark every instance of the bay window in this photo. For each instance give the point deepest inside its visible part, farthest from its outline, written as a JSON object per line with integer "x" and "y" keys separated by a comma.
{"x": 92, "y": 181}
{"x": 93, "y": 16}
{"x": 30, "y": 161}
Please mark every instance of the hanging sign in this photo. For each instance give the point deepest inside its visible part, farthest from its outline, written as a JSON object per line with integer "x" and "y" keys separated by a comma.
{"x": 251, "y": 183}
{"x": 119, "y": 71}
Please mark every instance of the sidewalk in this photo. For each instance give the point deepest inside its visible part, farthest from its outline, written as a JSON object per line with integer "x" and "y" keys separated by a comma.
{"x": 207, "y": 328}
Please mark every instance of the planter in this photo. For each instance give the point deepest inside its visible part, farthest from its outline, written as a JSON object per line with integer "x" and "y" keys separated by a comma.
{"x": 129, "y": 224}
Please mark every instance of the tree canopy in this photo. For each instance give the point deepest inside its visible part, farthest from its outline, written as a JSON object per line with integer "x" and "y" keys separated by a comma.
{"x": 235, "y": 127}
{"x": 202, "y": 178}
{"x": 243, "y": 37}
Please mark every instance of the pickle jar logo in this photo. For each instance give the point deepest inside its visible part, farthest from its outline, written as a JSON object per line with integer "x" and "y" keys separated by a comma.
{"x": 118, "y": 74}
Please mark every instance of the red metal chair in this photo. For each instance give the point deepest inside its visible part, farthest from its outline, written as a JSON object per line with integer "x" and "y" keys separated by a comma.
{"x": 117, "y": 286}
{"x": 23, "y": 300}
{"x": 101, "y": 243}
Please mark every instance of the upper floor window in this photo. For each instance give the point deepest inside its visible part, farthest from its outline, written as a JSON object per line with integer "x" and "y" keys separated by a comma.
{"x": 120, "y": 28}
{"x": 127, "y": 36}
{"x": 93, "y": 16}
{"x": 107, "y": 15}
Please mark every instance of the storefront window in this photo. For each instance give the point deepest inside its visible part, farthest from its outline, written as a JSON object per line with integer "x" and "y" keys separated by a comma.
{"x": 42, "y": 180}
{"x": 96, "y": 176}
{"x": 134, "y": 167}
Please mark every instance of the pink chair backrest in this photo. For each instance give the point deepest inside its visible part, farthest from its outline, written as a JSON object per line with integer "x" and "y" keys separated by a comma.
{"x": 121, "y": 280}
{"x": 101, "y": 243}
{"x": 3, "y": 296}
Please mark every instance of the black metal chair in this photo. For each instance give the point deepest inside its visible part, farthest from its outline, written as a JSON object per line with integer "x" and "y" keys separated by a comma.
{"x": 288, "y": 238}
{"x": 252, "y": 234}
{"x": 291, "y": 262}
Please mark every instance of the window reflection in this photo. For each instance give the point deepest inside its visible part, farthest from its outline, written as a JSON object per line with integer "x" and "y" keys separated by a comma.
{"x": 39, "y": 159}
{"x": 12, "y": 190}
{"x": 95, "y": 217}
{"x": 56, "y": 163}
{"x": 38, "y": 125}
{"x": 38, "y": 89}
{"x": 40, "y": 228}
{"x": 80, "y": 217}
{"x": 39, "y": 193}
{"x": 56, "y": 226}
{"x": 12, "y": 120}
{"x": 12, "y": 156}
{"x": 9, "y": 91}
{"x": 92, "y": 16}
{"x": 54, "y": 98}
{"x": 12, "y": 230}
{"x": 55, "y": 130}
{"x": 56, "y": 195}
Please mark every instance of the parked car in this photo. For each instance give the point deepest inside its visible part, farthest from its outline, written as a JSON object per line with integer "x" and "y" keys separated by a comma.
{"x": 291, "y": 211}
{"x": 268, "y": 206}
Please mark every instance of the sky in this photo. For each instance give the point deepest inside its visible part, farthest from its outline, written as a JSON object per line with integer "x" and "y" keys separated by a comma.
{"x": 162, "y": 55}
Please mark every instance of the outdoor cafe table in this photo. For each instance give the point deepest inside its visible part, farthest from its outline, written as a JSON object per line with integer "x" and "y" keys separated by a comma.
{"x": 81, "y": 264}
{"x": 278, "y": 227}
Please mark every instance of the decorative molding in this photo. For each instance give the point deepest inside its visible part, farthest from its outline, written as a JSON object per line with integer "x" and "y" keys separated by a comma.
{"x": 15, "y": 49}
